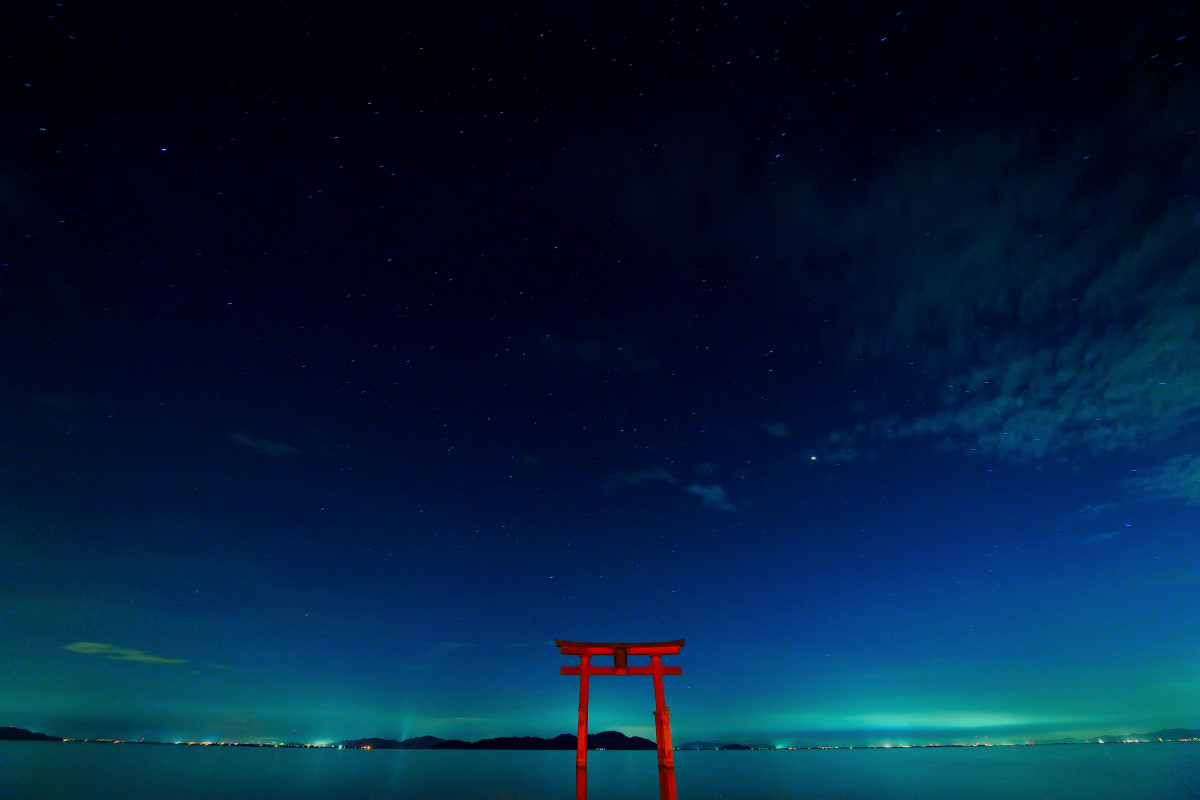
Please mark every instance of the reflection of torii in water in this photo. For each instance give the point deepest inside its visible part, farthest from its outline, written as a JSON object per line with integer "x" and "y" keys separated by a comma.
{"x": 662, "y": 714}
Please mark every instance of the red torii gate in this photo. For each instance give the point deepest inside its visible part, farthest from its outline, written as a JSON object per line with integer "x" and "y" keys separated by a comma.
{"x": 620, "y": 651}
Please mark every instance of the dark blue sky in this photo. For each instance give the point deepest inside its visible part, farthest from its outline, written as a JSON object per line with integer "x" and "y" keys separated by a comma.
{"x": 352, "y": 355}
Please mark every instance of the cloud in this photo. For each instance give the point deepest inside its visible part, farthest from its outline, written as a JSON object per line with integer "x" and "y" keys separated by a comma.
{"x": 713, "y": 496}
{"x": 649, "y": 475}
{"x": 264, "y": 446}
{"x": 1125, "y": 389}
{"x": 776, "y": 429}
{"x": 115, "y": 653}
{"x": 1177, "y": 478}
{"x": 1027, "y": 294}
{"x": 1049, "y": 296}
{"x": 1030, "y": 294}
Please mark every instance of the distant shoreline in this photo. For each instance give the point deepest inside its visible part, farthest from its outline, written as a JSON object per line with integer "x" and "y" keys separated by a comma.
{"x": 608, "y": 740}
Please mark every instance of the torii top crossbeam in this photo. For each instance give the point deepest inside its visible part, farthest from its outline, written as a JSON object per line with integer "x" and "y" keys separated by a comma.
{"x": 620, "y": 651}
{"x": 609, "y": 648}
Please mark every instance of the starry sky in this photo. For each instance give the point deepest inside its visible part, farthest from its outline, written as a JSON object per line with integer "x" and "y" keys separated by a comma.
{"x": 353, "y": 352}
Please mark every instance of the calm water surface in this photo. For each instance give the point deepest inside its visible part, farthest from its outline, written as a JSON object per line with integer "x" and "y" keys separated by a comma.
{"x": 110, "y": 772}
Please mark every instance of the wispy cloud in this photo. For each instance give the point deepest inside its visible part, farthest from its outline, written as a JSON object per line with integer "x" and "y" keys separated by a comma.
{"x": 648, "y": 475}
{"x": 1031, "y": 295}
{"x": 264, "y": 446}
{"x": 115, "y": 653}
{"x": 777, "y": 429}
{"x": 1053, "y": 305}
{"x": 712, "y": 496}
{"x": 1178, "y": 477}
{"x": 1122, "y": 390}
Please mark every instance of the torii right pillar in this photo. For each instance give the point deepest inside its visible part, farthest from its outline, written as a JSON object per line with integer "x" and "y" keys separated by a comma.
{"x": 662, "y": 714}
{"x": 662, "y": 734}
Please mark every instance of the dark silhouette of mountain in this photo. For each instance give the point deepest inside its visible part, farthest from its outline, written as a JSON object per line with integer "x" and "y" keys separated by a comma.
{"x": 420, "y": 742}
{"x": 615, "y": 740}
{"x": 453, "y": 744}
{"x": 416, "y": 743}
{"x": 13, "y": 734}
{"x": 607, "y": 740}
{"x": 563, "y": 742}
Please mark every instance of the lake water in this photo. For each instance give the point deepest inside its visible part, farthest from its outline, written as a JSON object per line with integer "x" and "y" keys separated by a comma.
{"x": 114, "y": 772}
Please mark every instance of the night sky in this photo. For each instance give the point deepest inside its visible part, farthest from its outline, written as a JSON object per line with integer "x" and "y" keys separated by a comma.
{"x": 350, "y": 353}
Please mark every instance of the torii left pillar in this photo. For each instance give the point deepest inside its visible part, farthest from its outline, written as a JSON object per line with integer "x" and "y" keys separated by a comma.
{"x": 620, "y": 651}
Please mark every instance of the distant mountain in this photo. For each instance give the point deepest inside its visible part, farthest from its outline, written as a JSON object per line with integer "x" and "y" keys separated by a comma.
{"x": 614, "y": 740}
{"x": 416, "y": 743}
{"x": 13, "y": 734}
{"x": 607, "y": 740}
{"x": 561, "y": 742}
{"x": 420, "y": 743}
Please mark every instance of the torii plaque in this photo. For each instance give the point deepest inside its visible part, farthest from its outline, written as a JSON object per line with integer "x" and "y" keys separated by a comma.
{"x": 620, "y": 651}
